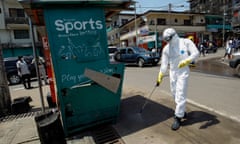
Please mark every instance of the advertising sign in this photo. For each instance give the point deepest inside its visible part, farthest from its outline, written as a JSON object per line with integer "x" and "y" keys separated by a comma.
{"x": 76, "y": 36}
{"x": 146, "y": 39}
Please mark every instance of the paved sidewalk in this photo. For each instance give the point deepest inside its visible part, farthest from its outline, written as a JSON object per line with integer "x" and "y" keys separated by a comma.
{"x": 152, "y": 126}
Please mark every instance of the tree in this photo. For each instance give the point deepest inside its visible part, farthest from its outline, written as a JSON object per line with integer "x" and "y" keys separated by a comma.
{"x": 5, "y": 99}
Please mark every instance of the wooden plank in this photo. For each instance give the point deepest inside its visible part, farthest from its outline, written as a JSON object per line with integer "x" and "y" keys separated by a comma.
{"x": 109, "y": 82}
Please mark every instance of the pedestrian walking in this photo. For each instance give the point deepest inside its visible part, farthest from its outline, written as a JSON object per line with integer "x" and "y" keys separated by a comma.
{"x": 24, "y": 72}
{"x": 178, "y": 54}
{"x": 202, "y": 49}
{"x": 228, "y": 49}
{"x": 41, "y": 65}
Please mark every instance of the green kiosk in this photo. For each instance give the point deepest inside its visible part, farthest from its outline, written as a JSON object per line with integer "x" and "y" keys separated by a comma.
{"x": 88, "y": 87}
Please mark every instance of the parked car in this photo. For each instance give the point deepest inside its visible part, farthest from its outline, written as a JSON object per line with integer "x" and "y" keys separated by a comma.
{"x": 112, "y": 50}
{"x": 235, "y": 63}
{"x": 11, "y": 69}
{"x": 137, "y": 55}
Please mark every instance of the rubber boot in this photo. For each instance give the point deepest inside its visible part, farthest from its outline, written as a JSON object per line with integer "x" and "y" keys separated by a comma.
{"x": 176, "y": 123}
{"x": 25, "y": 86}
{"x": 185, "y": 115}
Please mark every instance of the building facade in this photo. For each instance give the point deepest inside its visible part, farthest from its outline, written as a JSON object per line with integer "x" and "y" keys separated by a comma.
{"x": 216, "y": 7}
{"x": 15, "y": 34}
{"x": 146, "y": 29}
{"x": 207, "y": 20}
{"x": 229, "y": 10}
{"x": 236, "y": 17}
{"x": 113, "y": 27}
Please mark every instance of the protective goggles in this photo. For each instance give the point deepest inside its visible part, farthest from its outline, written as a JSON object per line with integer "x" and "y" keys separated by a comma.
{"x": 168, "y": 38}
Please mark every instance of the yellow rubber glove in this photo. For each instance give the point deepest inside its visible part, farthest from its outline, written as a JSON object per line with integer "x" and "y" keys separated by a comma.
{"x": 184, "y": 63}
{"x": 159, "y": 80}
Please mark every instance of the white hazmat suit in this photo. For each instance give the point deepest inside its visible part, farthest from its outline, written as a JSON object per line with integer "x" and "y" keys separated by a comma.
{"x": 178, "y": 54}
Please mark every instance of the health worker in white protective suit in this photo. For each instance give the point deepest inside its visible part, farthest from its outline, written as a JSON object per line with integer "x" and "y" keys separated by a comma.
{"x": 178, "y": 54}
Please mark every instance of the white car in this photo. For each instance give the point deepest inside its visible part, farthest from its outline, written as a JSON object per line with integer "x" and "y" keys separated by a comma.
{"x": 235, "y": 63}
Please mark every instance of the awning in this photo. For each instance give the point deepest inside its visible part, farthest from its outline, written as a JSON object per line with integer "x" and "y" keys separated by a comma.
{"x": 226, "y": 27}
{"x": 34, "y": 8}
{"x": 213, "y": 16}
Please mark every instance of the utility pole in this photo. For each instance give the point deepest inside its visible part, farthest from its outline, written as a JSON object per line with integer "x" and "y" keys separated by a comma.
{"x": 223, "y": 25}
{"x": 5, "y": 99}
{"x": 36, "y": 64}
{"x": 170, "y": 6}
{"x": 156, "y": 36}
{"x": 135, "y": 23}
{"x": 169, "y": 13}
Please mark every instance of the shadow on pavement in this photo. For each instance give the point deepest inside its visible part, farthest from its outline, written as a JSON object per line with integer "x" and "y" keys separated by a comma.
{"x": 200, "y": 117}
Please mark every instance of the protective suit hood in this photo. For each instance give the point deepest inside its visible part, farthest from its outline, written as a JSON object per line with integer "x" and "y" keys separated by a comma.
{"x": 170, "y": 36}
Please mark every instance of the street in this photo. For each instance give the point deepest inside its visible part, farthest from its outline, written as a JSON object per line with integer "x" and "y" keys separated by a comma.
{"x": 214, "y": 92}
